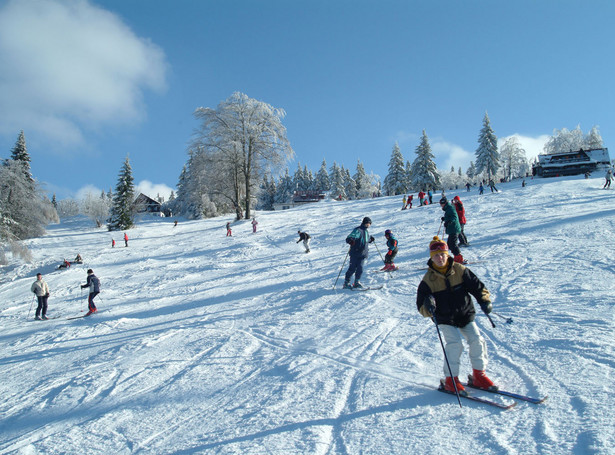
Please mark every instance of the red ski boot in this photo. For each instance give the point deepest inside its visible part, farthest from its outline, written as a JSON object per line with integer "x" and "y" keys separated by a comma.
{"x": 479, "y": 379}
{"x": 448, "y": 385}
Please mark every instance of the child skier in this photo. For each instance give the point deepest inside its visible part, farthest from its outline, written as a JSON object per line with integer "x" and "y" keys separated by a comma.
{"x": 254, "y": 224}
{"x": 444, "y": 295}
{"x": 391, "y": 253}
{"x": 228, "y": 229}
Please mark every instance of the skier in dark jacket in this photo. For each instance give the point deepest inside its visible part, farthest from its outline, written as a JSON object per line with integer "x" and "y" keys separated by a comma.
{"x": 452, "y": 228}
{"x": 305, "y": 237}
{"x": 444, "y": 295}
{"x": 359, "y": 240}
{"x": 94, "y": 284}
{"x": 391, "y": 253}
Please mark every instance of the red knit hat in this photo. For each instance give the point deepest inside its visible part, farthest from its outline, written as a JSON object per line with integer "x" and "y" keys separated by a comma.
{"x": 437, "y": 246}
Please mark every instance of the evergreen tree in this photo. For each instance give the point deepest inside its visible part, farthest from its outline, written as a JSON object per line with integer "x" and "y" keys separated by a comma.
{"x": 362, "y": 180}
{"x": 395, "y": 181}
{"x": 54, "y": 202}
{"x": 350, "y": 186}
{"x": 424, "y": 171}
{"x": 19, "y": 153}
{"x": 122, "y": 209}
{"x": 487, "y": 156}
{"x": 337, "y": 183}
{"x": 471, "y": 172}
{"x": 285, "y": 189}
{"x": 267, "y": 194}
{"x": 322, "y": 182}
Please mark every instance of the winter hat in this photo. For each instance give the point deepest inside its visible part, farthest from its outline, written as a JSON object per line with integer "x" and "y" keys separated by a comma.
{"x": 367, "y": 220}
{"x": 90, "y": 271}
{"x": 456, "y": 199}
{"x": 387, "y": 232}
{"x": 443, "y": 200}
{"x": 437, "y": 246}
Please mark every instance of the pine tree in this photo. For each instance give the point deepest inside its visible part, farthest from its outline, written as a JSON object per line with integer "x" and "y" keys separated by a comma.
{"x": 395, "y": 181}
{"x": 364, "y": 185}
{"x": 487, "y": 156}
{"x": 285, "y": 189}
{"x": 322, "y": 182}
{"x": 19, "y": 153}
{"x": 424, "y": 171}
{"x": 337, "y": 182}
{"x": 122, "y": 209}
{"x": 350, "y": 186}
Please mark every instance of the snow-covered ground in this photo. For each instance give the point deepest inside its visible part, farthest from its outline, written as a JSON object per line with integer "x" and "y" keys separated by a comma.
{"x": 209, "y": 344}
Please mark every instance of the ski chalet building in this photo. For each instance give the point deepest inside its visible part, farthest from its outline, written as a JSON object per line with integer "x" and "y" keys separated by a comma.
{"x": 571, "y": 163}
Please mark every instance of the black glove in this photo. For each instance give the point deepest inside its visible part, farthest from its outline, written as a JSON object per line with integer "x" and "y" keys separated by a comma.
{"x": 486, "y": 307}
{"x": 430, "y": 304}
{"x": 371, "y": 239}
{"x": 84, "y": 286}
{"x": 350, "y": 242}
{"x": 442, "y": 218}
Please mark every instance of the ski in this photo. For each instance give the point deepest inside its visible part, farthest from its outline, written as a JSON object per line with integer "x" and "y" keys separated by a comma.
{"x": 516, "y": 396}
{"x": 389, "y": 270}
{"x": 368, "y": 288}
{"x": 84, "y": 315}
{"x": 480, "y": 400}
{"x": 48, "y": 319}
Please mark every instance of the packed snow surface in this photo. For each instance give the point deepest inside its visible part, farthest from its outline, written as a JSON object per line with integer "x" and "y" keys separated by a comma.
{"x": 213, "y": 344}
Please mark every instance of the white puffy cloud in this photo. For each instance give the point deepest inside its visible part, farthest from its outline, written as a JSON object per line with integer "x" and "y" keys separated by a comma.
{"x": 70, "y": 66}
{"x": 448, "y": 154}
{"x": 83, "y": 192}
{"x": 153, "y": 189}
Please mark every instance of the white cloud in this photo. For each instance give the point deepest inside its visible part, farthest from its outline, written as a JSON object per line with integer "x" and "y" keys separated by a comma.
{"x": 70, "y": 66}
{"x": 448, "y": 154}
{"x": 83, "y": 192}
{"x": 153, "y": 189}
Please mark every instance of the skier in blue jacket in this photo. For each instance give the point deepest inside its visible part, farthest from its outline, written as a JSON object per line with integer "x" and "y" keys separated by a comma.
{"x": 389, "y": 265}
{"x": 359, "y": 240}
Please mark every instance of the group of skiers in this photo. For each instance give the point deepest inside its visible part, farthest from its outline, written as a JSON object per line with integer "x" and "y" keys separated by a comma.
{"x": 444, "y": 294}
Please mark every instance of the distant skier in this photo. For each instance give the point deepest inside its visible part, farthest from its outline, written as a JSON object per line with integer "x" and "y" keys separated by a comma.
{"x": 305, "y": 237}
{"x": 421, "y": 197}
{"x": 403, "y": 203}
{"x": 78, "y": 259}
{"x": 94, "y": 284}
{"x": 254, "y": 224}
{"x": 228, "y": 229}
{"x": 481, "y": 188}
{"x": 609, "y": 177}
{"x": 359, "y": 240}
{"x": 430, "y": 195}
{"x": 175, "y": 223}
{"x": 461, "y": 215}
{"x": 41, "y": 290}
{"x": 409, "y": 202}
{"x": 492, "y": 186}
{"x": 452, "y": 228}
{"x": 112, "y": 243}
{"x": 125, "y": 239}
{"x": 444, "y": 295}
{"x": 468, "y": 186}
{"x": 389, "y": 265}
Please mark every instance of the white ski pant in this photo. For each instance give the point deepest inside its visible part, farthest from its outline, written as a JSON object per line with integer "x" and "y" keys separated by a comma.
{"x": 454, "y": 347}
{"x": 306, "y": 244}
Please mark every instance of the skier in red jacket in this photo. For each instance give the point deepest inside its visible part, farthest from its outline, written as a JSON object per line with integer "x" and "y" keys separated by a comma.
{"x": 461, "y": 214}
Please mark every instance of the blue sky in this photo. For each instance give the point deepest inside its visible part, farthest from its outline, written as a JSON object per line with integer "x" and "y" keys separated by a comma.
{"x": 92, "y": 82}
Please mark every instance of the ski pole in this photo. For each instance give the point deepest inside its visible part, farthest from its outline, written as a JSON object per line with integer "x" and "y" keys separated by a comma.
{"x": 508, "y": 320}
{"x": 446, "y": 358}
{"x": 32, "y": 303}
{"x": 378, "y": 249}
{"x": 438, "y": 234}
{"x": 81, "y": 299}
{"x": 341, "y": 268}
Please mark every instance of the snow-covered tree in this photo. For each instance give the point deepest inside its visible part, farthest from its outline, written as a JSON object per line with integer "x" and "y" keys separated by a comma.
{"x": 593, "y": 140}
{"x": 513, "y": 158}
{"x": 487, "y": 156}
{"x": 424, "y": 173}
{"x": 266, "y": 197}
{"x": 97, "y": 208}
{"x": 285, "y": 189}
{"x": 122, "y": 213}
{"x": 396, "y": 182}
{"x": 248, "y": 139}
{"x": 350, "y": 186}
{"x": 365, "y": 188}
{"x": 471, "y": 172}
{"x": 67, "y": 207}
{"x": 322, "y": 181}
{"x": 338, "y": 191}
